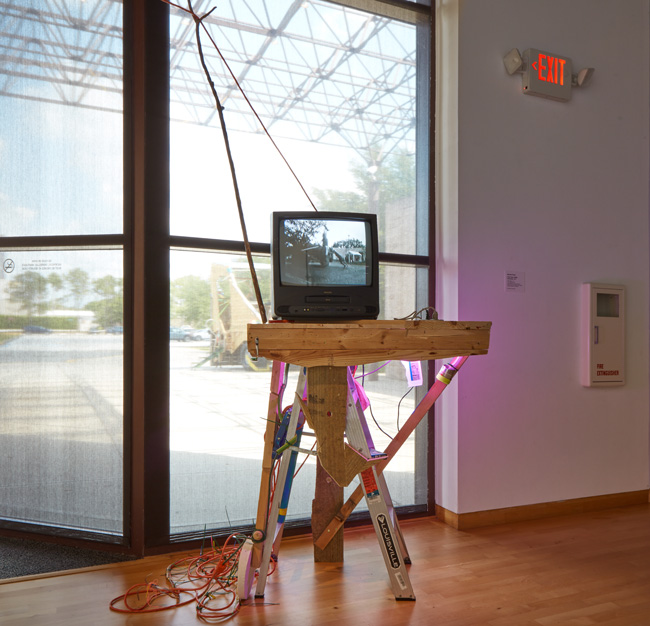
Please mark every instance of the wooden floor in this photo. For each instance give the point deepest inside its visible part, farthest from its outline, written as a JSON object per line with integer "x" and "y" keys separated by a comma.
{"x": 592, "y": 568}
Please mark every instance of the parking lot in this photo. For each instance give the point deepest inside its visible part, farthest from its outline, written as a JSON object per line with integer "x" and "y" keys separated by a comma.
{"x": 61, "y": 425}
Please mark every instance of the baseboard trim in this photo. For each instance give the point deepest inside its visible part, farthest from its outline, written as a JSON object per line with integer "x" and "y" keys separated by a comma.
{"x": 493, "y": 517}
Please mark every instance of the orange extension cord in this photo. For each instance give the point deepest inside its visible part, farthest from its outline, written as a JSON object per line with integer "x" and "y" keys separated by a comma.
{"x": 208, "y": 580}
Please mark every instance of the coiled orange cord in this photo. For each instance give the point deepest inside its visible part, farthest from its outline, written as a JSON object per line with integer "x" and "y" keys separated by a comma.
{"x": 208, "y": 580}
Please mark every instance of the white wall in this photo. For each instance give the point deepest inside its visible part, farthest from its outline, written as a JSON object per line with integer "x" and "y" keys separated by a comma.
{"x": 558, "y": 191}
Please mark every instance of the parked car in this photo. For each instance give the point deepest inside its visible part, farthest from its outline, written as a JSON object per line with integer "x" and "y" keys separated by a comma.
{"x": 115, "y": 330}
{"x": 201, "y": 335}
{"x": 36, "y": 329}
{"x": 178, "y": 334}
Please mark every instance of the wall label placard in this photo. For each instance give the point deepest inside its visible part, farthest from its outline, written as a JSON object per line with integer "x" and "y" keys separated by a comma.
{"x": 515, "y": 281}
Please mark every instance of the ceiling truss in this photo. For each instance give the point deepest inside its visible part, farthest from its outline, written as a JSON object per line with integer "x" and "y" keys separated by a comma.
{"x": 312, "y": 70}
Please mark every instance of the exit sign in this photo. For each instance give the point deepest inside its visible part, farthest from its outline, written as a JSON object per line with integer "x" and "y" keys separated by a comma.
{"x": 547, "y": 75}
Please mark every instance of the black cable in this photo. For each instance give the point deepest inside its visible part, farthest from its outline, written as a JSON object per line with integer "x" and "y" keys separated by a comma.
{"x": 400, "y": 402}
{"x": 376, "y": 422}
{"x": 374, "y": 419}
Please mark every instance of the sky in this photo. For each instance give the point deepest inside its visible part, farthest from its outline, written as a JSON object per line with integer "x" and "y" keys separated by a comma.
{"x": 60, "y": 174}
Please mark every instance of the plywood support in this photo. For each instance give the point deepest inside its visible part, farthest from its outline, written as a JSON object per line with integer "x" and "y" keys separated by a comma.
{"x": 325, "y": 413}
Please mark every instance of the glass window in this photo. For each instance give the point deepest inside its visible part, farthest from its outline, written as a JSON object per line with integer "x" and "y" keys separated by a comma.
{"x": 61, "y": 358}
{"x": 335, "y": 88}
{"x": 61, "y": 300}
{"x": 61, "y": 123}
{"x": 335, "y": 85}
{"x": 218, "y": 393}
{"x": 219, "y": 398}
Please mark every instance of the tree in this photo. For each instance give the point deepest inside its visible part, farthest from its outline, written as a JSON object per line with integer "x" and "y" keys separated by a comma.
{"x": 190, "y": 300}
{"x": 379, "y": 182}
{"x": 108, "y": 286}
{"x": 301, "y": 234}
{"x": 334, "y": 200}
{"x": 393, "y": 178}
{"x": 107, "y": 312}
{"x": 109, "y": 309}
{"x": 349, "y": 243}
{"x": 78, "y": 281}
{"x": 30, "y": 291}
{"x": 57, "y": 283}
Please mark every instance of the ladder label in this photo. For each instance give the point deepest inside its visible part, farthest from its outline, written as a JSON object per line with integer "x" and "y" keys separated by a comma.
{"x": 370, "y": 484}
{"x": 387, "y": 538}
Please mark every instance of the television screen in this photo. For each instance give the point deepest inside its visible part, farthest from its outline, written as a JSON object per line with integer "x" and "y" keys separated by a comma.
{"x": 325, "y": 265}
{"x": 325, "y": 252}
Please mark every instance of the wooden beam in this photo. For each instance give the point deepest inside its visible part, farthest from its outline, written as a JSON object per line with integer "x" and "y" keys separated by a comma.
{"x": 367, "y": 341}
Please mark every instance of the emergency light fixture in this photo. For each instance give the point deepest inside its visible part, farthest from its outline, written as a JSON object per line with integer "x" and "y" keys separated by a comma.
{"x": 545, "y": 74}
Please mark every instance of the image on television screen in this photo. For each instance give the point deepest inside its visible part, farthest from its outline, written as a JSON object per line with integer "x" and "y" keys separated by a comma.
{"x": 323, "y": 252}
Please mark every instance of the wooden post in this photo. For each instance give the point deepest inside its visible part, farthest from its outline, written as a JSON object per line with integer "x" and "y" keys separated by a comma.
{"x": 328, "y": 499}
{"x": 327, "y": 401}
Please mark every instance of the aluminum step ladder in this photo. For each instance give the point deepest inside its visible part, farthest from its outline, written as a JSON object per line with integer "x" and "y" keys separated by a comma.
{"x": 378, "y": 500}
{"x": 376, "y": 493}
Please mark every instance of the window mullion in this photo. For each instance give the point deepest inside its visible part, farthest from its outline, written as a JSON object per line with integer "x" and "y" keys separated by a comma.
{"x": 150, "y": 271}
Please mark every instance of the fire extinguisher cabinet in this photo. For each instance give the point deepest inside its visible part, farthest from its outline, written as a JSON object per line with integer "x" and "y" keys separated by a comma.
{"x": 603, "y": 333}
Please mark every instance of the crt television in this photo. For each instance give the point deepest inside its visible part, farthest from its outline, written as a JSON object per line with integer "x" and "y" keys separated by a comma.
{"x": 325, "y": 265}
